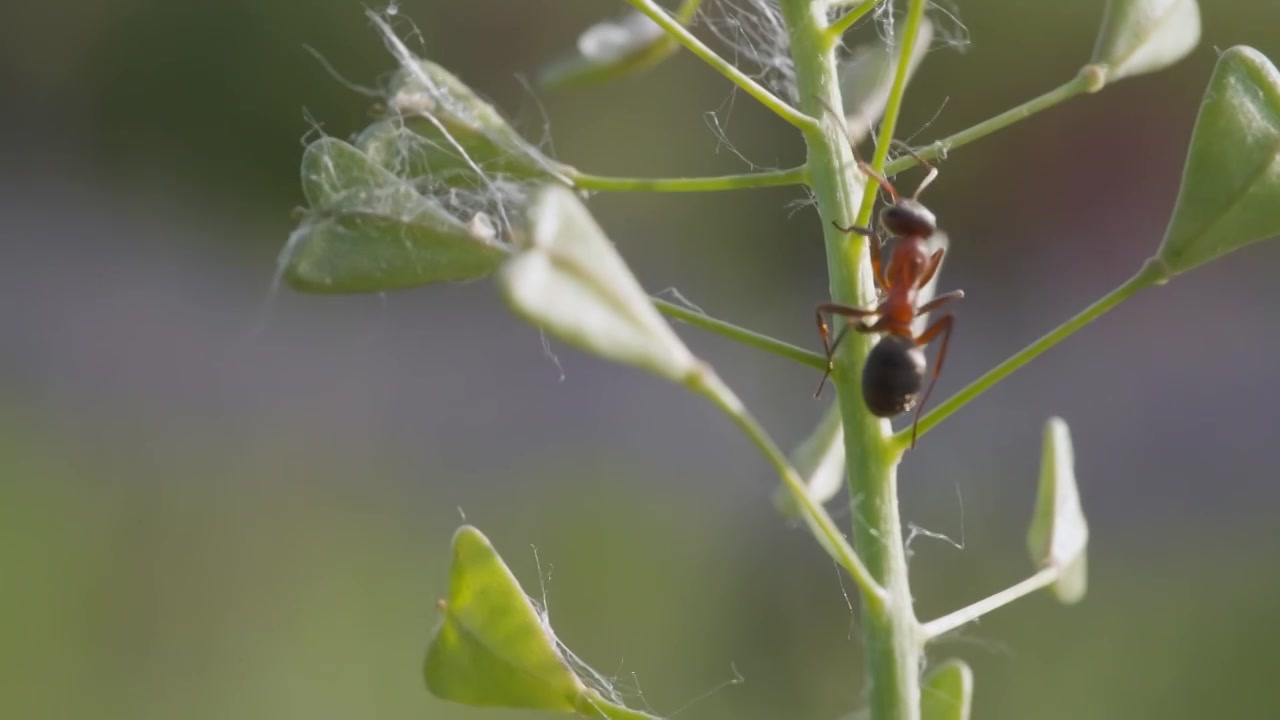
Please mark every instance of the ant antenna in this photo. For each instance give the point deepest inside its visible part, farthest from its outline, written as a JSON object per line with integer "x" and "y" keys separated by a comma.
{"x": 863, "y": 165}
{"x": 933, "y": 171}
{"x": 869, "y": 171}
{"x": 929, "y": 122}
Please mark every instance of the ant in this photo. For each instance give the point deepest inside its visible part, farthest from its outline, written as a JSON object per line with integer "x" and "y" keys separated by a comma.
{"x": 895, "y": 368}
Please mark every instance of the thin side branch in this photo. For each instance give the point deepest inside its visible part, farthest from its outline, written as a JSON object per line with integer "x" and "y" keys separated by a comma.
{"x": 740, "y": 334}
{"x": 965, "y": 615}
{"x": 708, "y": 384}
{"x": 1151, "y": 273}
{"x": 1088, "y": 80}
{"x": 742, "y": 181}
{"x": 780, "y": 107}
{"x": 836, "y": 30}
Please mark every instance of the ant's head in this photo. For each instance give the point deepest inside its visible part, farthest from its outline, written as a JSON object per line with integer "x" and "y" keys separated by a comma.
{"x": 908, "y": 217}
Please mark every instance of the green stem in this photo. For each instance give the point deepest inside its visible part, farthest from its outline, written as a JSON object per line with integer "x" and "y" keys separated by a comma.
{"x": 739, "y": 78}
{"x": 1153, "y": 272}
{"x": 740, "y": 334}
{"x": 964, "y": 615}
{"x": 889, "y": 122}
{"x": 838, "y": 28}
{"x": 592, "y": 704}
{"x": 890, "y": 630}
{"x": 686, "y": 12}
{"x": 1090, "y": 79}
{"x": 709, "y": 385}
{"x": 577, "y": 71}
{"x": 769, "y": 178}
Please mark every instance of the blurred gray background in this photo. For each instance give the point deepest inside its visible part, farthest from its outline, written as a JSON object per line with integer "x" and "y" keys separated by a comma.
{"x": 222, "y": 500}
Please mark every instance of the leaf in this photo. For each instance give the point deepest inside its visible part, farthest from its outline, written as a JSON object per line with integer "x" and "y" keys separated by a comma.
{"x": 866, "y": 80}
{"x": 457, "y": 132}
{"x": 569, "y": 280}
{"x": 820, "y": 462}
{"x": 1230, "y": 194}
{"x": 1059, "y": 534}
{"x": 1142, "y": 36}
{"x": 333, "y": 169}
{"x": 360, "y": 252}
{"x": 415, "y": 148}
{"x": 491, "y": 648}
{"x": 947, "y": 692}
{"x": 369, "y": 231}
{"x": 609, "y": 50}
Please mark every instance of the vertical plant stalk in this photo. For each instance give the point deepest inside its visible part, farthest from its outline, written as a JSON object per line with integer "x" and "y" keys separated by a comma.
{"x": 892, "y": 639}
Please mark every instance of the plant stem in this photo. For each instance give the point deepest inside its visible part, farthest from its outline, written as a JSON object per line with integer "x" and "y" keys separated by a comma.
{"x": 1153, "y": 272}
{"x": 768, "y": 178}
{"x": 1090, "y": 79}
{"x": 686, "y": 12}
{"x": 708, "y": 384}
{"x": 579, "y": 71}
{"x": 838, "y": 28}
{"x": 739, "y": 78}
{"x": 889, "y": 122}
{"x": 592, "y": 704}
{"x": 891, "y": 632}
{"x": 951, "y": 621}
{"x": 740, "y": 334}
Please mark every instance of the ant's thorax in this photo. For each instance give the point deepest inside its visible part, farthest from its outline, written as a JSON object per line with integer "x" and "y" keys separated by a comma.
{"x": 904, "y": 273}
{"x": 907, "y": 264}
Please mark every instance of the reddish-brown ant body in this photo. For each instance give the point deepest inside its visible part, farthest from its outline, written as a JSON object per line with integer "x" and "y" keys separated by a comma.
{"x": 895, "y": 368}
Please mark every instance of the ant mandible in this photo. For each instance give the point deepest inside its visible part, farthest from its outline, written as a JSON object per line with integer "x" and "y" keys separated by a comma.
{"x": 895, "y": 368}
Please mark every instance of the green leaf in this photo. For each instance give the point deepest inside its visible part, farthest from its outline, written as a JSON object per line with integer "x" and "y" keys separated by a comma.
{"x": 1059, "y": 534}
{"x": 947, "y": 692}
{"x": 333, "y": 170}
{"x": 866, "y": 79}
{"x": 491, "y": 648}
{"x": 369, "y": 231}
{"x": 1142, "y": 36}
{"x": 820, "y": 462}
{"x": 452, "y": 132}
{"x": 360, "y": 252}
{"x": 610, "y": 50}
{"x": 1230, "y": 194}
{"x": 417, "y": 149}
{"x": 568, "y": 279}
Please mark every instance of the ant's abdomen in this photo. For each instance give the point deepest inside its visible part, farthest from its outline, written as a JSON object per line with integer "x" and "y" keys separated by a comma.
{"x": 893, "y": 376}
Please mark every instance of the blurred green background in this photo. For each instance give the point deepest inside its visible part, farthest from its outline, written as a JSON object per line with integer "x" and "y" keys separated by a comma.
{"x": 223, "y": 500}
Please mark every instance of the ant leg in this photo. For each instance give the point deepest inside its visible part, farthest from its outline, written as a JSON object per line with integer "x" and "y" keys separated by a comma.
{"x": 884, "y": 183}
{"x": 877, "y": 251}
{"x": 933, "y": 171}
{"x": 877, "y": 266}
{"x": 942, "y": 326}
{"x": 866, "y": 167}
{"x": 828, "y": 346}
{"x": 931, "y": 267}
{"x": 858, "y": 229}
{"x": 843, "y": 122}
{"x": 939, "y": 301}
{"x": 834, "y": 309}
